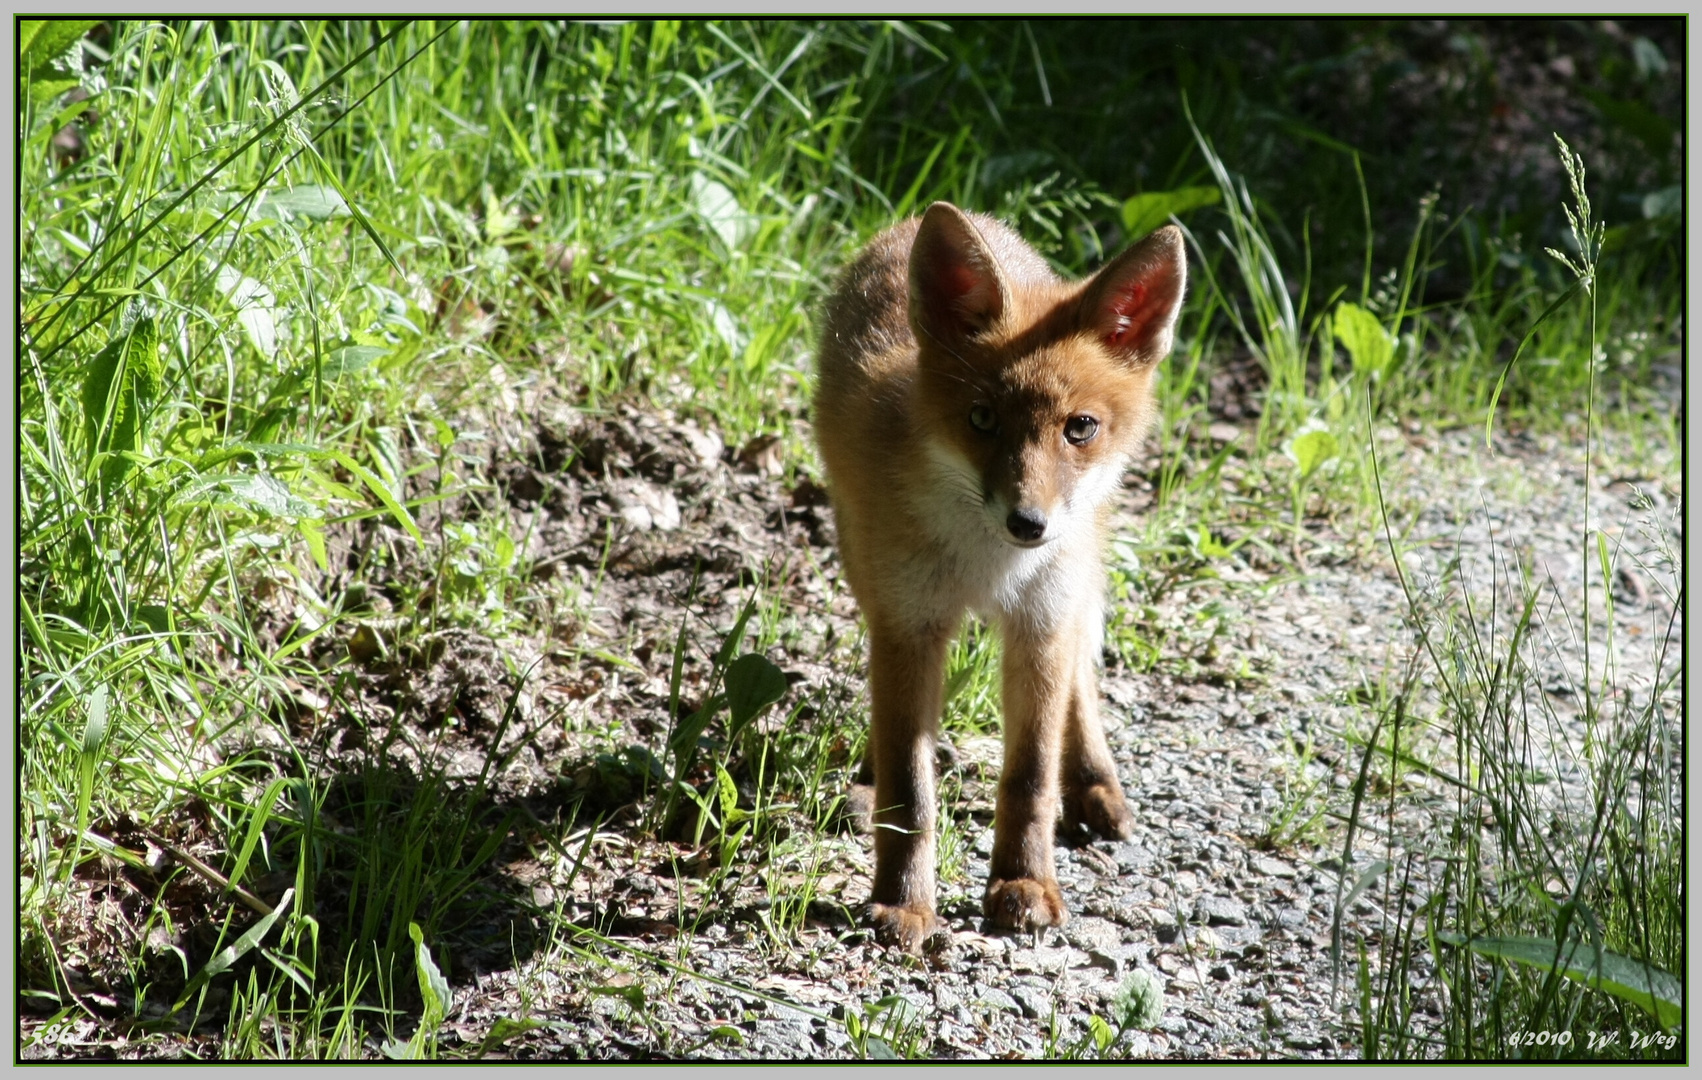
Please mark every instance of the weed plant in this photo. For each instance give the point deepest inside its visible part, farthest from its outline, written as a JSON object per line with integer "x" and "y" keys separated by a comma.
{"x": 1543, "y": 919}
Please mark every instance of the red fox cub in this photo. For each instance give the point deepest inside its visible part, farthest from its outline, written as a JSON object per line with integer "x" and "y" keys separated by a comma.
{"x": 975, "y": 414}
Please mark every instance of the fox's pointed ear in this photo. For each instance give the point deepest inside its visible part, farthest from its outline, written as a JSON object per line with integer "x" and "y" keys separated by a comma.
{"x": 956, "y": 288}
{"x": 1131, "y": 305}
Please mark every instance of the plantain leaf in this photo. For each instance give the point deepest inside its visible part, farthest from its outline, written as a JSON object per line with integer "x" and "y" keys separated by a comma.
{"x": 256, "y": 308}
{"x": 720, "y": 209}
{"x": 41, "y": 41}
{"x": 1312, "y": 449}
{"x": 753, "y": 684}
{"x": 316, "y": 202}
{"x": 261, "y": 493}
{"x": 1147, "y": 211}
{"x": 349, "y": 359}
{"x": 435, "y": 995}
{"x": 122, "y": 380}
{"x": 1367, "y": 342}
{"x": 1655, "y": 991}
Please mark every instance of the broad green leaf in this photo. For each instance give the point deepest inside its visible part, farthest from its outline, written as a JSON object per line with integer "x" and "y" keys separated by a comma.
{"x": 121, "y": 381}
{"x": 350, "y": 359}
{"x": 1101, "y": 1032}
{"x": 256, "y": 308}
{"x": 632, "y": 994}
{"x": 50, "y": 85}
{"x": 1312, "y": 449}
{"x": 315, "y": 538}
{"x": 1364, "y": 337}
{"x": 316, "y": 202}
{"x": 753, "y": 684}
{"x": 1655, "y": 991}
{"x": 41, "y": 41}
{"x": 727, "y": 791}
{"x": 1209, "y": 546}
{"x": 721, "y": 211}
{"x": 504, "y": 1029}
{"x": 1147, "y": 211}
{"x": 435, "y": 995}
{"x": 1139, "y": 1001}
{"x": 261, "y": 493}
{"x": 499, "y": 222}
{"x": 1663, "y": 203}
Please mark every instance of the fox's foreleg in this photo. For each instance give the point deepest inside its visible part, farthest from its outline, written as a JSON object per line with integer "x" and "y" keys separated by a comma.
{"x": 1092, "y": 794}
{"x": 906, "y": 681}
{"x": 1039, "y": 684}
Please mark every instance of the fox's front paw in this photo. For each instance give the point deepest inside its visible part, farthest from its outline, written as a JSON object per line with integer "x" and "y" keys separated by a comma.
{"x": 1102, "y": 808}
{"x": 1024, "y": 904}
{"x": 905, "y": 926}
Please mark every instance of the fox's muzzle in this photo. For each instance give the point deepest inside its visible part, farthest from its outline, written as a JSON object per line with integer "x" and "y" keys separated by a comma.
{"x": 1027, "y": 525}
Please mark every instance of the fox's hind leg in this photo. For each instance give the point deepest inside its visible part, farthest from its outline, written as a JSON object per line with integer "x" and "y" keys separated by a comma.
{"x": 1092, "y": 794}
{"x": 906, "y": 683}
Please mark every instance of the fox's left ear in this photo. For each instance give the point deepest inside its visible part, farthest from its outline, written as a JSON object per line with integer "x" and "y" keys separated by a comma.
{"x": 1131, "y": 305}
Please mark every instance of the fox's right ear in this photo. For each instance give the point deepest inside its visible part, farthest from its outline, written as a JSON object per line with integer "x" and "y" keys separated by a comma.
{"x": 956, "y": 289}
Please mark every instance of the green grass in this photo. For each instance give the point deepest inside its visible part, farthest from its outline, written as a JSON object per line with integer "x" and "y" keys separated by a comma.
{"x": 1554, "y": 908}
{"x": 270, "y": 306}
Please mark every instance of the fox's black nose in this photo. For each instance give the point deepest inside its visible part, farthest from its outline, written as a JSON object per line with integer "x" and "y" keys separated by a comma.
{"x": 1026, "y": 525}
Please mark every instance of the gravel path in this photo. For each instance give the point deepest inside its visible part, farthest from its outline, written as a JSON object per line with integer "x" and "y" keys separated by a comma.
{"x": 1225, "y": 896}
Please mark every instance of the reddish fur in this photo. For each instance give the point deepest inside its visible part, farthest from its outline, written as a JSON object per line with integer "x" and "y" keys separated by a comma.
{"x": 939, "y": 320}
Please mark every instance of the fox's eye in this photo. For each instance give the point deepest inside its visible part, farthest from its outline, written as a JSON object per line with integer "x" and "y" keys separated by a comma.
{"x": 982, "y": 417}
{"x": 1080, "y": 429}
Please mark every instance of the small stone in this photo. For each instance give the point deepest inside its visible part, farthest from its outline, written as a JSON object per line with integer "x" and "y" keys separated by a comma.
{"x": 998, "y": 999}
{"x": 1047, "y": 961}
{"x": 706, "y": 445}
{"x": 1272, "y": 867}
{"x": 1220, "y": 911}
{"x": 1036, "y": 1004}
{"x": 1114, "y": 959}
{"x": 1089, "y": 932}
